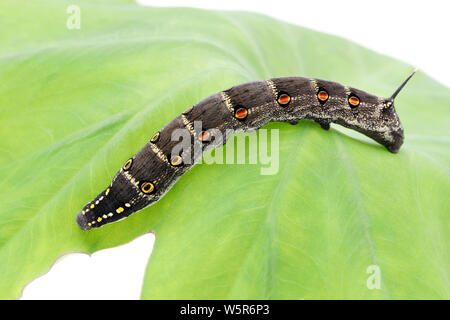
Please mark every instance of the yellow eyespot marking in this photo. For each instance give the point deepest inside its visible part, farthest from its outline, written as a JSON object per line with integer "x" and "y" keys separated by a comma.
{"x": 83, "y": 212}
{"x": 92, "y": 206}
{"x": 99, "y": 219}
{"x": 176, "y": 161}
{"x": 107, "y": 191}
{"x": 148, "y": 187}
{"x": 120, "y": 210}
{"x": 89, "y": 224}
{"x": 155, "y": 138}
{"x": 127, "y": 164}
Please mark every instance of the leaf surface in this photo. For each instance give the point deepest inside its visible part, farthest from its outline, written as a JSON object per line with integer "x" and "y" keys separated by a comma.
{"x": 75, "y": 104}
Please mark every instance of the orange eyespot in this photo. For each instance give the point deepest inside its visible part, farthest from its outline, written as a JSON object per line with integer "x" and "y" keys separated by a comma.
{"x": 127, "y": 164}
{"x": 188, "y": 110}
{"x": 176, "y": 161}
{"x": 204, "y": 136}
{"x": 284, "y": 99}
{"x": 322, "y": 95}
{"x": 155, "y": 138}
{"x": 241, "y": 113}
{"x": 353, "y": 101}
{"x": 147, "y": 187}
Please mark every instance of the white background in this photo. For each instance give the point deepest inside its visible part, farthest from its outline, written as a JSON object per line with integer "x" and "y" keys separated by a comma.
{"x": 416, "y": 32}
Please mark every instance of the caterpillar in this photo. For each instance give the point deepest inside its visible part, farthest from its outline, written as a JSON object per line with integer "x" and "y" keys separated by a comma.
{"x": 153, "y": 170}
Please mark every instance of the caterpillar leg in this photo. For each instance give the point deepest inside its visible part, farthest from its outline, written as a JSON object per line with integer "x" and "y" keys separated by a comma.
{"x": 324, "y": 124}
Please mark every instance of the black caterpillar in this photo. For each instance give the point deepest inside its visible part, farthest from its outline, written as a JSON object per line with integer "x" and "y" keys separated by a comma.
{"x": 150, "y": 173}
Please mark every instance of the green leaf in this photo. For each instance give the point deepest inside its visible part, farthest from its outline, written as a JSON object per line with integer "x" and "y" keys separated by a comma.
{"x": 75, "y": 104}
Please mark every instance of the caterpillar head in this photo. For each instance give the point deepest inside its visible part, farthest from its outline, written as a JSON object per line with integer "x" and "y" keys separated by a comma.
{"x": 375, "y": 117}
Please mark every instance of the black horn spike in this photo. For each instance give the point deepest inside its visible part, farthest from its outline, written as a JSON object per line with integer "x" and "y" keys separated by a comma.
{"x": 401, "y": 86}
